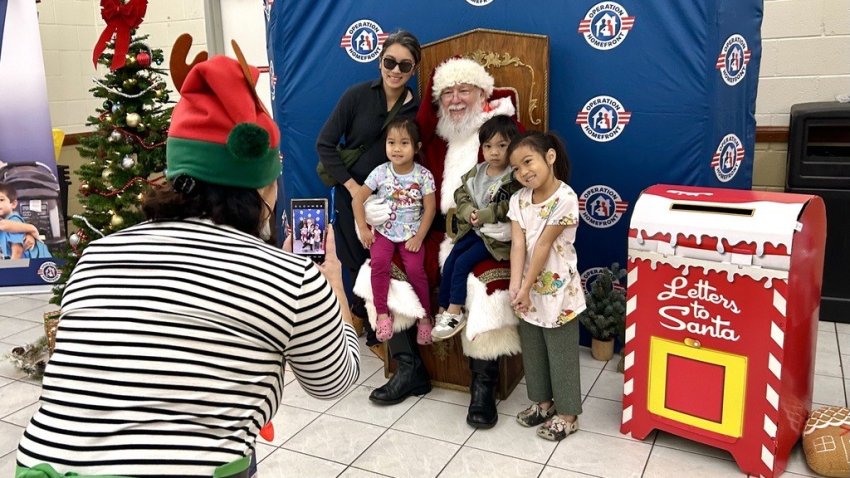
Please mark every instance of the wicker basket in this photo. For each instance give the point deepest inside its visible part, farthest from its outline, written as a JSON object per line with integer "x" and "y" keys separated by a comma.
{"x": 51, "y": 324}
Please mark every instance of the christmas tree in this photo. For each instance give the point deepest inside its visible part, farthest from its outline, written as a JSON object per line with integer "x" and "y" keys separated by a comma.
{"x": 126, "y": 150}
{"x": 606, "y": 305}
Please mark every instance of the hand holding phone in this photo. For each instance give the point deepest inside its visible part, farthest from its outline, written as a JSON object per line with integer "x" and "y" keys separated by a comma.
{"x": 309, "y": 224}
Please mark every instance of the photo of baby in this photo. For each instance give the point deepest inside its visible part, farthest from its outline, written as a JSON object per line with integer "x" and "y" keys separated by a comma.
{"x": 18, "y": 240}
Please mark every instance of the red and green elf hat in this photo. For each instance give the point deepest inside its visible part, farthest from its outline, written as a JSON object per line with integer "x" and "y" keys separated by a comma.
{"x": 220, "y": 132}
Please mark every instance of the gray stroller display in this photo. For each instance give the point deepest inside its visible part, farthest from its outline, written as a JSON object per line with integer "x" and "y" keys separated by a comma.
{"x": 38, "y": 199}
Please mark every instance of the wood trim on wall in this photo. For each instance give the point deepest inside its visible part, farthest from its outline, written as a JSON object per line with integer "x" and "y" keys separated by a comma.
{"x": 771, "y": 134}
{"x": 73, "y": 139}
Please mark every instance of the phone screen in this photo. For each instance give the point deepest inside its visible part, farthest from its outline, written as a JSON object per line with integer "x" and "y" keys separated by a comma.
{"x": 309, "y": 222}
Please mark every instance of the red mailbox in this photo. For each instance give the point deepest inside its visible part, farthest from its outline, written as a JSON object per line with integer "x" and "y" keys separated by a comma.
{"x": 723, "y": 296}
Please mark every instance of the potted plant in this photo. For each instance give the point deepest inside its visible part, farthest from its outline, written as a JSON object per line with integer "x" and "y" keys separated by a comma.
{"x": 606, "y": 311}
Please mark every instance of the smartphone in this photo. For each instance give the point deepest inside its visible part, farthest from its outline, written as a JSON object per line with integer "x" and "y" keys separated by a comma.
{"x": 309, "y": 223}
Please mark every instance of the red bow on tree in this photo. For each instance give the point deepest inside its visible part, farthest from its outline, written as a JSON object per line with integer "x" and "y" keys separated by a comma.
{"x": 120, "y": 18}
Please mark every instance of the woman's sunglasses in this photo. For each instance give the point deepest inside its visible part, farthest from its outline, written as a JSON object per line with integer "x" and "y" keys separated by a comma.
{"x": 403, "y": 66}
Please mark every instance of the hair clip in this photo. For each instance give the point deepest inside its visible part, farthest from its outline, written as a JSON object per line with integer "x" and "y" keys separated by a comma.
{"x": 184, "y": 184}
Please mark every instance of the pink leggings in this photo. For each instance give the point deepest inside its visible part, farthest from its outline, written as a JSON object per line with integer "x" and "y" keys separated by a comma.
{"x": 414, "y": 266}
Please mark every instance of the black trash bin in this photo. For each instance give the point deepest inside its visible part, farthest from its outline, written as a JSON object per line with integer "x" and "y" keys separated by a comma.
{"x": 819, "y": 163}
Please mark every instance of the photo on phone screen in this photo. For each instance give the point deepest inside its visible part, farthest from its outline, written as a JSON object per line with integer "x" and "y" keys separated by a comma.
{"x": 309, "y": 222}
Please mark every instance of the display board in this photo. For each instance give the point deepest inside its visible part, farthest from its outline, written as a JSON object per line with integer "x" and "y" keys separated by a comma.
{"x": 27, "y": 159}
{"x": 643, "y": 92}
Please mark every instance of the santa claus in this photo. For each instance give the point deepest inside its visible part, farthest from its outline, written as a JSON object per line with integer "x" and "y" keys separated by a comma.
{"x": 458, "y": 101}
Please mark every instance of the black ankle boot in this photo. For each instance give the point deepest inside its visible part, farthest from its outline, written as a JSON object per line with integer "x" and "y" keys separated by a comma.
{"x": 410, "y": 377}
{"x": 482, "y": 390}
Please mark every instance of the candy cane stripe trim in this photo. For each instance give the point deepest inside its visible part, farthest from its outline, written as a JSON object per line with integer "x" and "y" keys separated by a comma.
{"x": 777, "y": 334}
{"x": 774, "y": 365}
{"x": 767, "y": 457}
{"x": 779, "y": 302}
{"x": 627, "y": 414}
{"x": 630, "y": 333}
{"x": 769, "y": 427}
{"x": 772, "y": 397}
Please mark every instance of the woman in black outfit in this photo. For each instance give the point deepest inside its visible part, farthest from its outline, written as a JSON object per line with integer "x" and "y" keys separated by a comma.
{"x": 358, "y": 119}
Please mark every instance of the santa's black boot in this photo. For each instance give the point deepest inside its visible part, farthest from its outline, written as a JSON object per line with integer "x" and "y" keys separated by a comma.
{"x": 410, "y": 377}
{"x": 482, "y": 403}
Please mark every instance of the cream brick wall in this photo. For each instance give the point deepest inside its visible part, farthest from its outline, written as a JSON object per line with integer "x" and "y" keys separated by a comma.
{"x": 770, "y": 165}
{"x": 806, "y": 56}
{"x": 69, "y": 29}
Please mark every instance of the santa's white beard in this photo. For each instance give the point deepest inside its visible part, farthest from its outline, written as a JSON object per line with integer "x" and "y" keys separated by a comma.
{"x": 459, "y": 129}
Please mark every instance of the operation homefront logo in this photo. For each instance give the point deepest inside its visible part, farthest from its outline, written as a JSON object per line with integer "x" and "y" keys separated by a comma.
{"x": 362, "y": 40}
{"x": 601, "y": 206}
{"x": 733, "y": 59}
{"x": 479, "y": 3}
{"x": 591, "y": 275}
{"x": 606, "y": 25}
{"x": 48, "y": 272}
{"x": 603, "y": 118}
{"x": 727, "y": 158}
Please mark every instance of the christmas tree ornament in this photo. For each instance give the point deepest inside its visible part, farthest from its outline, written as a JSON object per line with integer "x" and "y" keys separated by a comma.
{"x": 85, "y": 189}
{"x": 133, "y": 119}
{"x": 143, "y": 59}
{"x": 129, "y": 161}
{"x": 126, "y": 84}
{"x": 115, "y": 136}
{"x": 107, "y": 105}
{"x": 116, "y": 221}
{"x": 107, "y": 118}
{"x": 74, "y": 240}
{"x": 141, "y": 127}
{"x": 116, "y": 108}
{"x": 106, "y": 174}
{"x": 159, "y": 94}
{"x": 133, "y": 81}
{"x": 130, "y": 60}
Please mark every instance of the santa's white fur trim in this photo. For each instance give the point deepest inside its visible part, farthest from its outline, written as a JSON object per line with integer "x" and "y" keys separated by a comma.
{"x": 501, "y": 106}
{"x": 462, "y": 155}
{"x": 493, "y": 344}
{"x": 402, "y": 300}
{"x": 455, "y": 71}
{"x": 487, "y": 312}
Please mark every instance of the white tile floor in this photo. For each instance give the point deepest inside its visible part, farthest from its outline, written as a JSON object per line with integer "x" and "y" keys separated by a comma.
{"x": 428, "y": 436}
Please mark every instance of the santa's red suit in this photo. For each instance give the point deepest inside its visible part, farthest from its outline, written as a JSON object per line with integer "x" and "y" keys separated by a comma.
{"x": 491, "y": 320}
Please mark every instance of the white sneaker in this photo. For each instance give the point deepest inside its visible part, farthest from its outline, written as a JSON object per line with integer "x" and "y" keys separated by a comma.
{"x": 448, "y": 325}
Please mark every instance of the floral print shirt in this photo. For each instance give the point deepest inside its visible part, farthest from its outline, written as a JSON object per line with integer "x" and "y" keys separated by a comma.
{"x": 557, "y": 296}
{"x": 404, "y": 194}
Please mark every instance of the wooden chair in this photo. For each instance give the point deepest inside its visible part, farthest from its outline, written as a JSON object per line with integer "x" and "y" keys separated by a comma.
{"x": 519, "y": 63}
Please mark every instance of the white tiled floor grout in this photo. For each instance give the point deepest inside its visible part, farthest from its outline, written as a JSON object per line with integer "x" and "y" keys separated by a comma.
{"x": 15, "y": 311}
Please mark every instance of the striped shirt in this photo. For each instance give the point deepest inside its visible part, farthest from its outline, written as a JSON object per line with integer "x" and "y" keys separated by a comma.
{"x": 170, "y": 353}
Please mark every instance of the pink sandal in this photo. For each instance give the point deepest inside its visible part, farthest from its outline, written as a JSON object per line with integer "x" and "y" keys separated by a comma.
{"x": 384, "y": 329}
{"x": 423, "y": 331}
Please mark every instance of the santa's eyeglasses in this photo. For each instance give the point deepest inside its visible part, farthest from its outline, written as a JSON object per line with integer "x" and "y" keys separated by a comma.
{"x": 404, "y": 66}
{"x": 463, "y": 93}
